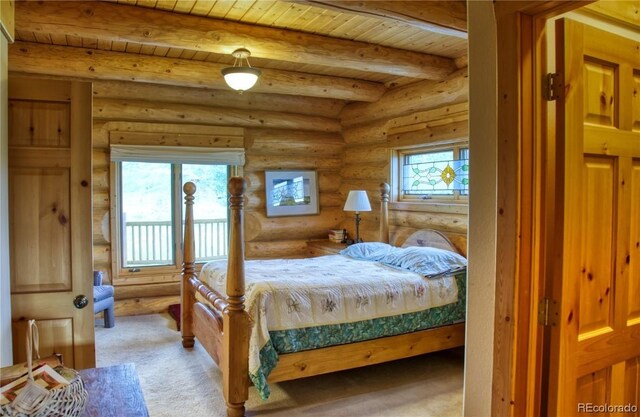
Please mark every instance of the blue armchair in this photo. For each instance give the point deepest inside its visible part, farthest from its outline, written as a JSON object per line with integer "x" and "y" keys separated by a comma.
{"x": 103, "y": 299}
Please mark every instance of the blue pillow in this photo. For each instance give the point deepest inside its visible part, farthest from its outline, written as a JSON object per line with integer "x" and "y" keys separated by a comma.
{"x": 425, "y": 261}
{"x": 368, "y": 251}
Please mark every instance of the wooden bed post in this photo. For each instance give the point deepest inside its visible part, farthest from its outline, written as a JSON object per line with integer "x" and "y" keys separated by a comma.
{"x": 188, "y": 269}
{"x": 384, "y": 212}
{"x": 235, "y": 362}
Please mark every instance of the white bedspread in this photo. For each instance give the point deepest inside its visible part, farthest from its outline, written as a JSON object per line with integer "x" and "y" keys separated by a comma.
{"x": 286, "y": 294}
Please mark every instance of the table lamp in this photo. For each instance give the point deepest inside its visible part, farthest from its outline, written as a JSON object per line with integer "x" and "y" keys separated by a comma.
{"x": 357, "y": 201}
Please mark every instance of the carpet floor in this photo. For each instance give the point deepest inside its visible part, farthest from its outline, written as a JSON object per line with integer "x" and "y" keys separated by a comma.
{"x": 186, "y": 382}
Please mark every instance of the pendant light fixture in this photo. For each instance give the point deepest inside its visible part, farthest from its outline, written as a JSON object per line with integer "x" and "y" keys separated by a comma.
{"x": 241, "y": 77}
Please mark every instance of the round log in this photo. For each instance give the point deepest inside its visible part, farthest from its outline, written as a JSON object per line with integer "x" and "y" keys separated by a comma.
{"x": 249, "y": 100}
{"x": 292, "y": 149}
{"x": 148, "y": 111}
{"x": 365, "y": 154}
{"x": 429, "y": 116}
{"x": 292, "y": 142}
{"x": 423, "y": 95}
{"x": 259, "y": 227}
{"x": 279, "y": 249}
{"x": 455, "y": 131}
{"x": 101, "y": 255}
{"x": 425, "y": 220}
{"x": 372, "y": 187}
{"x": 101, "y": 199}
{"x": 366, "y": 133}
{"x": 100, "y": 180}
{"x": 101, "y": 227}
{"x": 366, "y": 171}
{"x": 262, "y": 162}
{"x": 101, "y": 158}
{"x": 100, "y": 135}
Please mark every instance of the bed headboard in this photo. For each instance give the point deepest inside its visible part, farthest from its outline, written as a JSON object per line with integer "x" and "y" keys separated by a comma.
{"x": 433, "y": 238}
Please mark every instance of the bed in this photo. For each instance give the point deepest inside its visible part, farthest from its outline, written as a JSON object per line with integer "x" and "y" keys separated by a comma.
{"x": 340, "y": 320}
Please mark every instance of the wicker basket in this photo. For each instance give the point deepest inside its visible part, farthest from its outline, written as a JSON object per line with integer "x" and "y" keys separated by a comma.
{"x": 66, "y": 401}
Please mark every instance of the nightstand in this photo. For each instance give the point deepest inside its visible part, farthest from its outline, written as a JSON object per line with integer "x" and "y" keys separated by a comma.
{"x": 323, "y": 247}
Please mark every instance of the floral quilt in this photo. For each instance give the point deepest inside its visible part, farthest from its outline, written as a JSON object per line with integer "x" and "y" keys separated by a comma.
{"x": 315, "y": 298}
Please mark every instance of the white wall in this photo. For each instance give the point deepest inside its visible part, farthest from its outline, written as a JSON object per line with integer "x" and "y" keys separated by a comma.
{"x": 6, "y": 355}
{"x": 483, "y": 153}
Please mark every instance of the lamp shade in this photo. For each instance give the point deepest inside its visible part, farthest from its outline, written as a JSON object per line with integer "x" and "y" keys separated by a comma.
{"x": 240, "y": 78}
{"x": 357, "y": 200}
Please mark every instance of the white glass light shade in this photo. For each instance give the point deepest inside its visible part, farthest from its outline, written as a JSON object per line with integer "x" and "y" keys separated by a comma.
{"x": 241, "y": 78}
{"x": 357, "y": 200}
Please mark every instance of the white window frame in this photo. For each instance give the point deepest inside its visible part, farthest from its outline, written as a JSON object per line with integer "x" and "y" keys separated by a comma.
{"x": 156, "y": 273}
{"x": 232, "y": 157}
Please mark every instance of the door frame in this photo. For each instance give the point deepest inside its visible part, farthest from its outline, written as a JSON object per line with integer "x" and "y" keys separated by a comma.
{"x": 522, "y": 123}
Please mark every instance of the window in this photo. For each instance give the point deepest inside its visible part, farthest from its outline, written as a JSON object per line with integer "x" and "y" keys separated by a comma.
{"x": 435, "y": 172}
{"x": 151, "y": 201}
{"x": 149, "y": 204}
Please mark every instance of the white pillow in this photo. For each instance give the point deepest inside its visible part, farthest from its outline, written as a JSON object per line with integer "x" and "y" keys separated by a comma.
{"x": 368, "y": 251}
{"x": 425, "y": 261}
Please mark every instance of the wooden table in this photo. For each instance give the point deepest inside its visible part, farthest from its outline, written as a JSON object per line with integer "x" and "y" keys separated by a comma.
{"x": 114, "y": 391}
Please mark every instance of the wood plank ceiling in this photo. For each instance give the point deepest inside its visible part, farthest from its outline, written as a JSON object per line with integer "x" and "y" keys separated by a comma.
{"x": 388, "y": 42}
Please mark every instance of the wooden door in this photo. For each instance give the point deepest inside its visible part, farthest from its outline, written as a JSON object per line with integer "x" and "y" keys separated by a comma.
{"x": 50, "y": 216}
{"x": 595, "y": 343}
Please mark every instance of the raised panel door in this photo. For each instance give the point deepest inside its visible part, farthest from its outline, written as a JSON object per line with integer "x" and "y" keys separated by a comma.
{"x": 595, "y": 346}
{"x": 50, "y": 216}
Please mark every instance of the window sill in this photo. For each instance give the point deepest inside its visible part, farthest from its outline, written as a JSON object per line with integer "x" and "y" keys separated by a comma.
{"x": 151, "y": 275}
{"x": 431, "y": 206}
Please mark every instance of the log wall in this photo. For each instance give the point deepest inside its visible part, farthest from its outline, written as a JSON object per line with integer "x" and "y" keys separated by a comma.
{"x": 279, "y": 133}
{"x": 348, "y": 146}
{"x": 415, "y": 114}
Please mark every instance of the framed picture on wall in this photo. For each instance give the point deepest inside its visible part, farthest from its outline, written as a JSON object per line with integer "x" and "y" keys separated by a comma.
{"x": 291, "y": 193}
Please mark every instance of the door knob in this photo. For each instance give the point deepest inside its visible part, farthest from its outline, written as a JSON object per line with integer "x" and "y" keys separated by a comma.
{"x": 80, "y": 301}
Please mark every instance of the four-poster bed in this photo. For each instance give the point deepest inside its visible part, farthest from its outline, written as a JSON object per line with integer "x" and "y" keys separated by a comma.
{"x": 223, "y": 326}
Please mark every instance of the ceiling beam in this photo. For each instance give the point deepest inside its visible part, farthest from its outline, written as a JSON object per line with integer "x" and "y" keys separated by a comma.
{"x": 443, "y": 17}
{"x": 96, "y": 64}
{"x": 116, "y": 22}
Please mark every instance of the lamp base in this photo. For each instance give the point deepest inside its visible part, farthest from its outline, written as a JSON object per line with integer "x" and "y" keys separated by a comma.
{"x": 357, "y": 239}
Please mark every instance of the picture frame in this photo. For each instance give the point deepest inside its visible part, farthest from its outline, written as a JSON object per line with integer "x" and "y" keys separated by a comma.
{"x": 291, "y": 193}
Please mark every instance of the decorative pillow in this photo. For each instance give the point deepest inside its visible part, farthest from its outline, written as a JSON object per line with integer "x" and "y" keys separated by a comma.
{"x": 426, "y": 261}
{"x": 368, "y": 251}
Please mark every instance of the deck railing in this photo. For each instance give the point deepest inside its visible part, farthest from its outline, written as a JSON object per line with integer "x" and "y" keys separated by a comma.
{"x": 151, "y": 242}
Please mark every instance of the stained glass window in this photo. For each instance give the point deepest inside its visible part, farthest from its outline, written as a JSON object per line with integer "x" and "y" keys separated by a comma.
{"x": 435, "y": 173}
